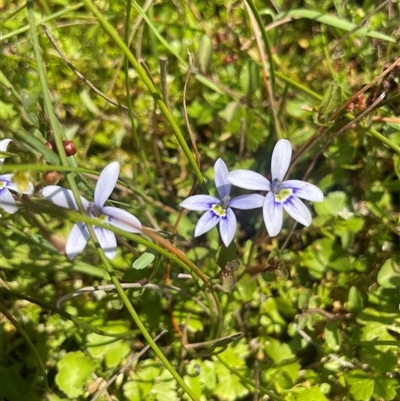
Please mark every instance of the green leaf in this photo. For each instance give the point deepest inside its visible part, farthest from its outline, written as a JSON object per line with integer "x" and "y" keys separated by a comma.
{"x": 230, "y": 111}
{"x": 6, "y": 111}
{"x": 332, "y": 336}
{"x": 88, "y": 102}
{"x": 332, "y": 205}
{"x": 149, "y": 382}
{"x": 229, "y": 386}
{"x": 13, "y": 386}
{"x": 284, "y": 376}
{"x": 363, "y": 386}
{"x": 164, "y": 388}
{"x": 277, "y": 351}
{"x": 270, "y": 307}
{"x": 234, "y": 355}
{"x": 31, "y": 106}
{"x": 226, "y": 254}
{"x": 335, "y": 22}
{"x": 204, "y": 54}
{"x": 193, "y": 377}
{"x": 74, "y": 370}
{"x": 313, "y": 393}
{"x": 143, "y": 261}
{"x": 249, "y": 78}
{"x": 376, "y": 331}
{"x": 208, "y": 375}
{"x": 114, "y": 351}
{"x": 389, "y": 274}
{"x": 354, "y": 300}
{"x": 331, "y": 100}
{"x": 316, "y": 257}
{"x": 245, "y": 289}
{"x": 379, "y": 362}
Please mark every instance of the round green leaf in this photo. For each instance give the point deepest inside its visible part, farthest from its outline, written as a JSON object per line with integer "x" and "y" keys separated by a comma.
{"x": 389, "y": 274}
{"x": 73, "y": 372}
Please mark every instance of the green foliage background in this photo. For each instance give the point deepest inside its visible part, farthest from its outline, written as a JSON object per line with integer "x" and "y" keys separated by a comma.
{"x": 312, "y": 314}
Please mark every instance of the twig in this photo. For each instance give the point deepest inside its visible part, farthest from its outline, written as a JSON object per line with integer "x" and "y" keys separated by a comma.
{"x": 162, "y": 289}
{"x": 76, "y": 72}
{"x": 111, "y": 287}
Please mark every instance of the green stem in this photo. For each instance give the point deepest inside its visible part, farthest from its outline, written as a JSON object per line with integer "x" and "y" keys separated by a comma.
{"x": 149, "y": 84}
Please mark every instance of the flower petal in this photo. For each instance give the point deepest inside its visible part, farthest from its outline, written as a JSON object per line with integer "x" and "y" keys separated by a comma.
{"x": 248, "y": 179}
{"x": 298, "y": 210}
{"x": 245, "y": 202}
{"x": 28, "y": 189}
{"x": 304, "y": 190}
{"x": 206, "y": 223}
{"x": 3, "y": 147}
{"x": 122, "y": 219}
{"x": 106, "y": 184}
{"x": 62, "y": 197}
{"x": 220, "y": 173}
{"x": 227, "y": 227}
{"x": 7, "y": 201}
{"x": 77, "y": 240}
{"x": 273, "y": 215}
{"x": 4, "y": 143}
{"x": 281, "y": 159}
{"x": 199, "y": 202}
{"x": 6, "y": 180}
{"x": 107, "y": 241}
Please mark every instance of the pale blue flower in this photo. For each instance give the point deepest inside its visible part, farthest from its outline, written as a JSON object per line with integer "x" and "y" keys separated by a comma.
{"x": 23, "y": 186}
{"x": 282, "y": 194}
{"x": 119, "y": 218}
{"x": 218, "y": 210}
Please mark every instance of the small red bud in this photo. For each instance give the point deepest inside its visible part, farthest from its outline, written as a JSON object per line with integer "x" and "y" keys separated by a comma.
{"x": 69, "y": 147}
{"x": 51, "y": 177}
{"x": 51, "y": 145}
{"x": 227, "y": 59}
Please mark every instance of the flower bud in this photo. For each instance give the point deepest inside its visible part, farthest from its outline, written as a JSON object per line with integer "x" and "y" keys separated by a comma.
{"x": 51, "y": 177}
{"x": 69, "y": 148}
{"x": 51, "y": 145}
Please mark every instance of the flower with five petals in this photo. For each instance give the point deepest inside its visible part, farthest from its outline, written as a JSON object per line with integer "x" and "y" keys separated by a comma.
{"x": 119, "y": 218}
{"x": 281, "y": 194}
{"x": 218, "y": 210}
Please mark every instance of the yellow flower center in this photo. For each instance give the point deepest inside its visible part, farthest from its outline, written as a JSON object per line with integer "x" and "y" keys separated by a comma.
{"x": 219, "y": 210}
{"x": 21, "y": 180}
{"x": 281, "y": 194}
